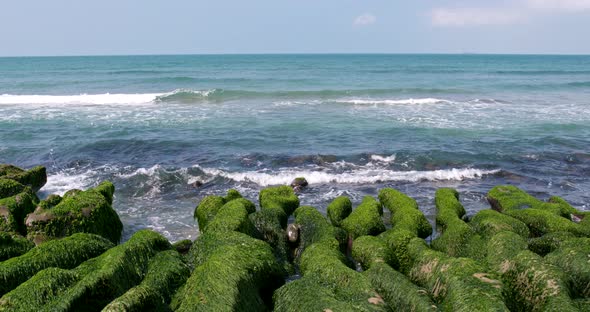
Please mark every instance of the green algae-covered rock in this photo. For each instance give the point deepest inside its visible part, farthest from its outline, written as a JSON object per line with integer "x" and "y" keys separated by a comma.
{"x": 34, "y": 178}
{"x": 541, "y": 217}
{"x": 573, "y": 257}
{"x": 314, "y": 228}
{"x": 530, "y": 284}
{"x": 408, "y": 223}
{"x": 50, "y": 202}
{"x": 14, "y": 209}
{"x": 397, "y": 290}
{"x": 233, "y": 272}
{"x": 548, "y": 242}
{"x": 457, "y": 239}
{"x": 339, "y": 209}
{"x": 405, "y": 213}
{"x": 233, "y": 216}
{"x": 207, "y": 209}
{"x": 166, "y": 272}
{"x": 89, "y": 212}
{"x": 458, "y": 284}
{"x": 489, "y": 222}
{"x": 282, "y": 200}
{"x": 365, "y": 219}
{"x": 502, "y": 247}
{"x": 183, "y": 246}
{"x": 210, "y": 205}
{"x": 268, "y": 227}
{"x": 64, "y": 253}
{"x": 13, "y": 245}
{"x": 10, "y": 188}
{"x": 91, "y": 285}
{"x": 368, "y": 250}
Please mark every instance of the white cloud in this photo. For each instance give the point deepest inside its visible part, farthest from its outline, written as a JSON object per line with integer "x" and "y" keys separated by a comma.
{"x": 565, "y": 5}
{"x": 476, "y": 17}
{"x": 365, "y": 19}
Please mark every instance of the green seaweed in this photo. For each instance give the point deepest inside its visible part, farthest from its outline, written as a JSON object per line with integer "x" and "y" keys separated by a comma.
{"x": 541, "y": 217}
{"x": 365, "y": 219}
{"x": 489, "y": 222}
{"x": 339, "y": 209}
{"x": 13, "y": 245}
{"x": 268, "y": 227}
{"x": 34, "y": 178}
{"x": 405, "y": 213}
{"x": 458, "y": 284}
{"x": 281, "y": 199}
{"x": 548, "y": 242}
{"x": 13, "y": 211}
{"x": 502, "y": 247}
{"x": 207, "y": 209}
{"x": 10, "y": 188}
{"x": 233, "y": 216}
{"x": 573, "y": 257}
{"x": 314, "y": 228}
{"x": 233, "y": 272}
{"x": 64, "y": 253}
{"x": 368, "y": 250}
{"x": 88, "y": 212}
{"x": 397, "y": 290}
{"x": 166, "y": 272}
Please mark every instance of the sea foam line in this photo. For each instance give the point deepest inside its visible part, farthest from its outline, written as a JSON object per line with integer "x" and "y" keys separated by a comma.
{"x": 359, "y": 176}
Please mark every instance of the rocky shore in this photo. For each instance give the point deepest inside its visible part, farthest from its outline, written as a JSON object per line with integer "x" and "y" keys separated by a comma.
{"x": 63, "y": 253}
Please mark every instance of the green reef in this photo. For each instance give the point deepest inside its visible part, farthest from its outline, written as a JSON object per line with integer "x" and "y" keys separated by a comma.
{"x": 64, "y": 253}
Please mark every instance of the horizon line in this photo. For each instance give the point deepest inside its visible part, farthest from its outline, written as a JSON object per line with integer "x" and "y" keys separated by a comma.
{"x": 293, "y": 53}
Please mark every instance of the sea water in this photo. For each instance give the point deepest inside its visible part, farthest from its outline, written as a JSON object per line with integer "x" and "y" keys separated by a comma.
{"x": 349, "y": 124}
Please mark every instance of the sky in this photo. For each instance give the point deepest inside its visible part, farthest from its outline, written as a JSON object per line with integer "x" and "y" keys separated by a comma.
{"x": 115, "y": 27}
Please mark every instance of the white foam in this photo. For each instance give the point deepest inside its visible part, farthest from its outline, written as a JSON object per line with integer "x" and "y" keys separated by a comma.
{"x": 385, "y": 159}
{"x": 63, "y": 181}
{"x": 363, "y": 175}
{"x": 394, "y": 102}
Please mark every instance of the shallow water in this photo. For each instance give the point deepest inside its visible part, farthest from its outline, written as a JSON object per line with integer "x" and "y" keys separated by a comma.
{"x": 351, "y": 124}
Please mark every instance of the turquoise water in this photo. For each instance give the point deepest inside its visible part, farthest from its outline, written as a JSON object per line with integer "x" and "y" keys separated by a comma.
{"x": 351, "y": 124}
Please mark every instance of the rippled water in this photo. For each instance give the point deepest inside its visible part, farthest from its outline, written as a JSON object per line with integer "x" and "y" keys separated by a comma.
{"x": 351, "y": 124}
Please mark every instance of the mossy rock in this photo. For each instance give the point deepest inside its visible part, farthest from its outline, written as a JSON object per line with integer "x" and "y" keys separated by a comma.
{"x": 339, "y": 209}
{"x": 457, "y": 284}
{"x": 35, "y": 178}
{"x": 50, "y": 202}
{"x": 397, "y": 290}
{"x": 13, "y": 245}
{"x": 268, "y": 227}
{"x": 489, "y": 222}
{"x": 541, "y": 217}
{"x": 91, "y": 285}
{"x": 548, "y": 242}
{"x": 281, "y": 199}
{"x": 209, "y": 206}
{"x": 573, "y": 257}
{"x": 14, "y": 209}
{"x": 233, "y": 216}
{"x": 457, "y": 239}
{"x": 368, "y": 250}
{"x": 365, "y": 219}
{"x": 502, "y": 247}
{"x": 314, "y": 228}
{"x": 405, "y": 213}
{"x": 89, "y": 212}
{"x": 166, "y": 272}
{"x": 233, "y": 272}
{"x": 65, "y": 253}
{"x": 10, "y": 188}
{"x": 531, "y": 284}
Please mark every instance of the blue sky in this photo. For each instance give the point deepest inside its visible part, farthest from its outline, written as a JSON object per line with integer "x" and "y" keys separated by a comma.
{"x": 79, "y": 27}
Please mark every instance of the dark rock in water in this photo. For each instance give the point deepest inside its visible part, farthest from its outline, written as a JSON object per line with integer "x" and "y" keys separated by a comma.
{"x": 183, "y": 246}
{"x": 34, "y": 178}
{"x": 88, "y": 211}
{"x": 197, "y": 184}
{"x": 299, "y": 183}
{"x": 293, "y": 233}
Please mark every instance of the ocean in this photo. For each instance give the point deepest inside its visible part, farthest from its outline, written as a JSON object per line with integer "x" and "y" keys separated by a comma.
{"x": 349, "y": 124}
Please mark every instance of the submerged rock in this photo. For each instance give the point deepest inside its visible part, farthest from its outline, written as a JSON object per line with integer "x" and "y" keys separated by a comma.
{"x": 299, "y": 183}
{"x": 293, "y": 233}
